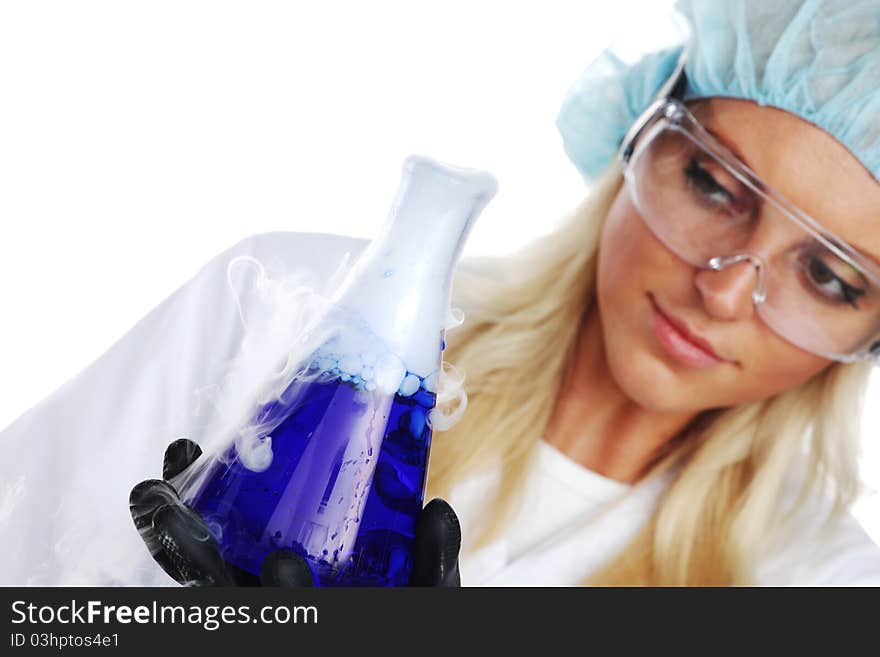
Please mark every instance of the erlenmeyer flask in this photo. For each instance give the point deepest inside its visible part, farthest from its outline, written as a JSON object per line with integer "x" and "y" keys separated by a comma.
{"x": 350, "y": 437}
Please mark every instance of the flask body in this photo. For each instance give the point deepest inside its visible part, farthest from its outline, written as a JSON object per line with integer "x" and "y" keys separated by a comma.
{"x": 343, "y": 490}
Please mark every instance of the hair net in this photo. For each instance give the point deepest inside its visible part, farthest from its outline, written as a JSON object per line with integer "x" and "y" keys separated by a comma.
{"x": 818, "y": 59}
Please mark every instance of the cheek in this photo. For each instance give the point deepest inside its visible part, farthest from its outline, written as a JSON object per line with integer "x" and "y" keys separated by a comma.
{"x": 631, "y": 258}
{"x": 631, "y": 261}
{"x": 774, "y": 366}
{"x": 622, "y": 247}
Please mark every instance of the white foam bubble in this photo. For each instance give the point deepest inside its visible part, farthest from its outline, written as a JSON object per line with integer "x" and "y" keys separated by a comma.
{"x": 409, "y": 386}
{"x": 389, "y": 372}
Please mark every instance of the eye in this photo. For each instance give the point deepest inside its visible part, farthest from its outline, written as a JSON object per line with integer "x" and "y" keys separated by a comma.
{"x": 705, "y": 185}
{"x": 719, "y": 190}
{"x": 828, "y": 284}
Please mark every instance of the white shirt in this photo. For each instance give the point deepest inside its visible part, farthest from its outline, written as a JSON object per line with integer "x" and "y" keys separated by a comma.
{"x": 573, "y": 520}
{"x": 71, "y": 460}
{"x": 561, "y": 490}
{"x": 570, "y": 521}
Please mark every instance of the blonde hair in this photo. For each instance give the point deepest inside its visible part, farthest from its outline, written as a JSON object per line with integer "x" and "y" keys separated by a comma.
{"x": 522, "y": 317}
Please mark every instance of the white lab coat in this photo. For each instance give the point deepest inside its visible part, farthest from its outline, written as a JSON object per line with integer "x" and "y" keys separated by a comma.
{"x": 64, "y": 516}
{"x": 72, "y": 459}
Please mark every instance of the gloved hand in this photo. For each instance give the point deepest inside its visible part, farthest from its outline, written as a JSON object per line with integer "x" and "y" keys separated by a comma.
{"x": 180, "y": 541}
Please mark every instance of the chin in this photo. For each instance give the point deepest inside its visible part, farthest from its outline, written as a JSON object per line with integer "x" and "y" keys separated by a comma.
{"x": 650, "y": 383}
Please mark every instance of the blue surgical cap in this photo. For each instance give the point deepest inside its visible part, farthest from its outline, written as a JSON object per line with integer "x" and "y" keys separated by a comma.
{"x": 818, "y": 59}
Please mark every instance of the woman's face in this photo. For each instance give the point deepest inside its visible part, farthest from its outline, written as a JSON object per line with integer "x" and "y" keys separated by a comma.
{"x": 637, "y": 271}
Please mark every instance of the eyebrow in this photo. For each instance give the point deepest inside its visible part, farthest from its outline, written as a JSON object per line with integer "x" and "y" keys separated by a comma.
{"x": 870, "y": 257}
{"x": 728, "y": 145}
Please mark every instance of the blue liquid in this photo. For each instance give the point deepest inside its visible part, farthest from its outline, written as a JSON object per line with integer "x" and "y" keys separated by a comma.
{"x": 334, "y": 445}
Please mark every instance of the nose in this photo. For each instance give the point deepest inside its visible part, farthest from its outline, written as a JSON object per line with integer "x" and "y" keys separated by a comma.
{"x": 727, "y": 288}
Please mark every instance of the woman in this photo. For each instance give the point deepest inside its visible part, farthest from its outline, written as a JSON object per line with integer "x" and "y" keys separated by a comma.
{"x": 585, "y": 337}
{"x": 793, "y": 89}
{"x": 664, "y": 390}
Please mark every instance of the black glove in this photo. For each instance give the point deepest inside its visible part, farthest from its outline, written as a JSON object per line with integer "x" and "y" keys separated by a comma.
{"x": 180, "y": 541}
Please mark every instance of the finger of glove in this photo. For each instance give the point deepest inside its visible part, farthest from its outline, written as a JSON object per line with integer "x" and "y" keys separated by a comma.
{"x": 148, "y": 496}
{"x": 437, "y": 545}
{"x": 185, "y": 548}
{"x": 179, "y": 455}
{"x": 144, "y": 501}
{"x": 286, "y": 569}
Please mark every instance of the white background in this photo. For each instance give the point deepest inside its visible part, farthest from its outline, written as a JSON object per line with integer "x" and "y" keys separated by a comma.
{"x": 138, "y": 140}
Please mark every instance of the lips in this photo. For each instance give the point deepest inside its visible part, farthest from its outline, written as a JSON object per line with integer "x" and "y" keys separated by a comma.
{"x": 700, "y": 350}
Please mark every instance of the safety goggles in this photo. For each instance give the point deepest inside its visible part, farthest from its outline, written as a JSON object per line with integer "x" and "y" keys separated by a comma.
{"x": 811, "y": 288}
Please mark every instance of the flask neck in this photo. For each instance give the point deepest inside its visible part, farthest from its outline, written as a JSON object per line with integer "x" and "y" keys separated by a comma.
{"x": 401, "y": 283}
